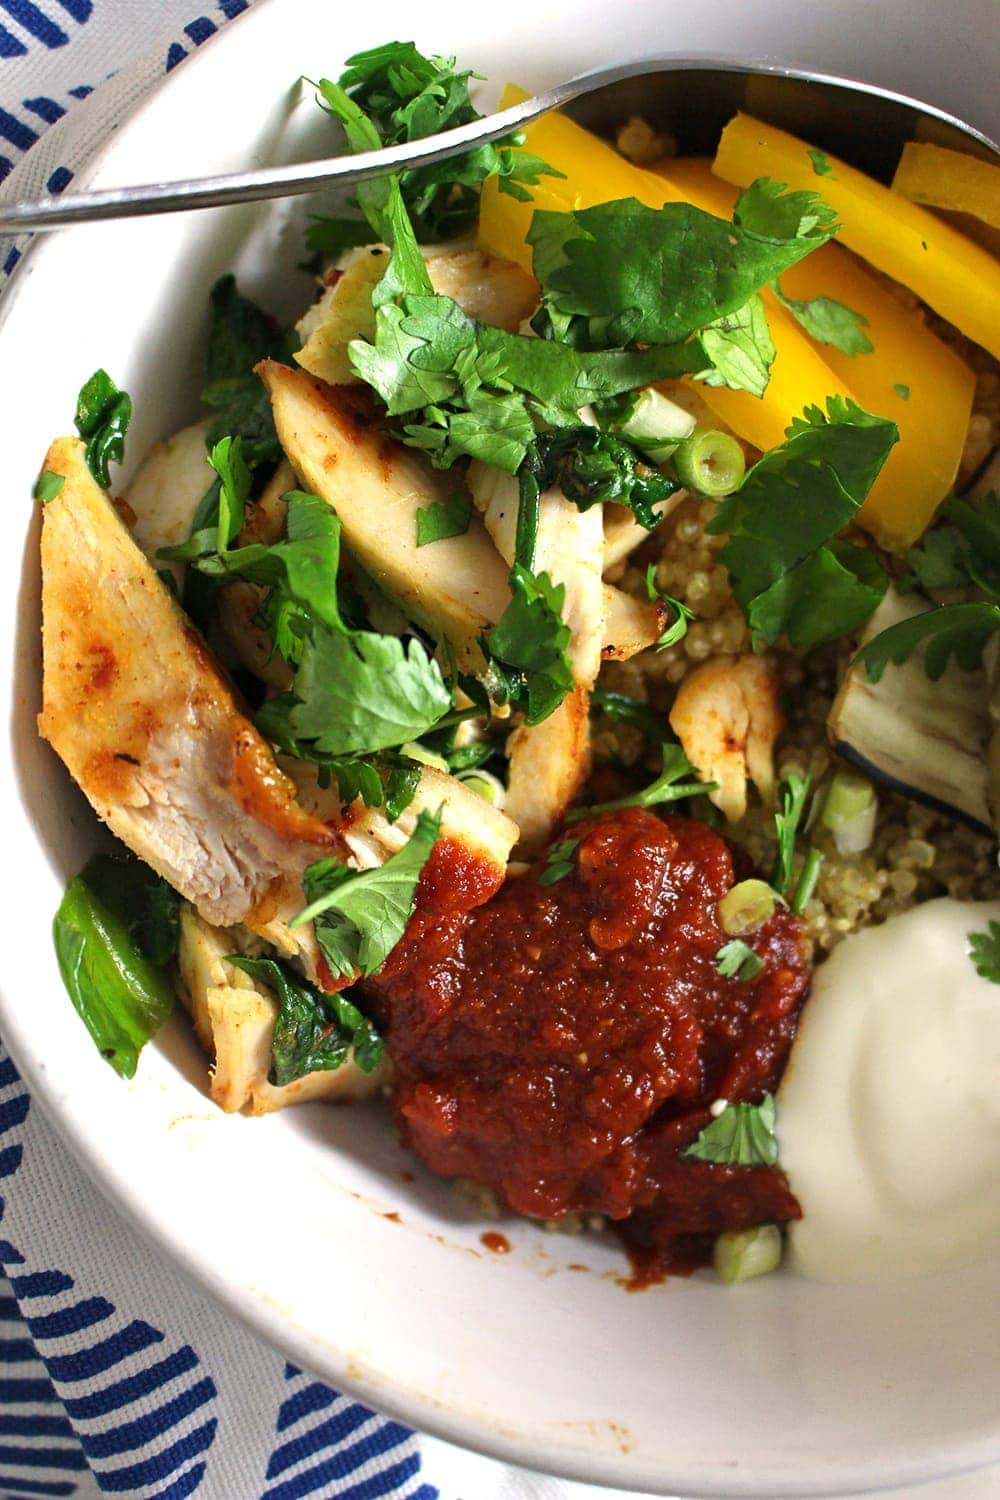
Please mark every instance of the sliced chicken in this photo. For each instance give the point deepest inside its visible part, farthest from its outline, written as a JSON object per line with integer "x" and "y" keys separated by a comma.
{"x": 623, "y": 533}
{"x": 549, "y": 762}
{"x": 148, "y": 726}
{"x": 456, "y": 588}
{"x": 234, "y": 1018}
{"x": 727, "y": 716}
{"x": 487, "y": 288}
{"x": 168, "y": 487}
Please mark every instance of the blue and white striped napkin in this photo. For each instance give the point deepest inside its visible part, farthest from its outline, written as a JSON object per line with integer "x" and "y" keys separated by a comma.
{"x": 116, "y": 1376}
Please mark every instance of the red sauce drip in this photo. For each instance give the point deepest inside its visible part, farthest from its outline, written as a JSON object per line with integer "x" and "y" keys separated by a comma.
{"x": 561, "y": 1043}
{"x": 498, "y": 1243}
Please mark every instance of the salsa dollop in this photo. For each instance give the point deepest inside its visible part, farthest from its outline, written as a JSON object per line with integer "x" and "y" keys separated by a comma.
{"x": 564, "y": 1042}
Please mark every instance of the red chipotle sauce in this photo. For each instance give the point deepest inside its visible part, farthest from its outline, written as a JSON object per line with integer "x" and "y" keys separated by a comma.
{"x": 561, "y": 1043}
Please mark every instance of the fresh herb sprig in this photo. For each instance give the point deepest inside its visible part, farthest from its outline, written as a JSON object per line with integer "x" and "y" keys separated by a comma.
{"x": 984, "y": 950}
{"x": 737, "y": 960}
{"x": 742, "y": 1135}
{"x": 103, "y": 413}
{"x": 672, "y": 785}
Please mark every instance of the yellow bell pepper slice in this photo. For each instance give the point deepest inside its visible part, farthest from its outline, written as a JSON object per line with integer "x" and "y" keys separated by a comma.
{"x": 932, "y": 415}
{"x": 957, "y": 278}
{"x": 596, "y": 173}
{"x": 949, "y": 179}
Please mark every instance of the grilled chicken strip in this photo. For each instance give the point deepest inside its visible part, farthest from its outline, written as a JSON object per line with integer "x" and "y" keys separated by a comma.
{"x": 148, "y": 726}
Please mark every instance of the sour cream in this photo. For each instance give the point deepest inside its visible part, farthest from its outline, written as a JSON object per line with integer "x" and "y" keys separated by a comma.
{"x": 889, "y": 1112}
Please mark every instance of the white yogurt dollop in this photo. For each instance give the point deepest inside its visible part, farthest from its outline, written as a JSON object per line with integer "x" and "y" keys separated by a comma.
{"x": 889, "y": 1112}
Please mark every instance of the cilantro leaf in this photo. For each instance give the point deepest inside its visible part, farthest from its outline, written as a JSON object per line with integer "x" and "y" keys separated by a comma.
{"x": 820, "y": 162}
{"x": 313, "y": 1031}
{"x": 558, "y": 862}
{"x": 849, "y": 581}
{"x": 47, "y": 486}
{"x": 655, "y": 276}
{"x": 479, "y": 388}
{"x": 241, "y": 334}
{"x": 531, "y": 640}
{"x": 984, "y": 950}
{"x": 450, "y": 517}
{"x": 228, "y": 462}
{"x": 301, "y": 571}
{"x": 829, "y": 322}
{"x": 103, "y": 413}
{"x": 360, "y": 692}
{"x": 683, "y": 615}
{"x": 593, "y": 467}
{"x": 406, "y": 95}
{"x": 669, "y": 786}
{"x": 902, "y": 391}
{"x": 949, "y": 630}
{"x": 360, "y": 915}
{"x": 739, "y": 348}
{"x": 741, "y": 1136}
{"x": 792, "y": 794}
{"x": 830, "y": 460}
{"x": 737, "y": 960}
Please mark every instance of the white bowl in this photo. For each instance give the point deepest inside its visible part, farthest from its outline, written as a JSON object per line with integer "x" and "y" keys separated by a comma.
{"x": 784, "y": 1387}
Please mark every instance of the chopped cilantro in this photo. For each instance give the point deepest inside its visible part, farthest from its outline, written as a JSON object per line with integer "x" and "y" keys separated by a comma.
{"x": 683, "y": 614}
{"x": 829, "y": 322}
{"x": 737, "y": 960}
{"x": 47, "y": 486}
{"x": 949, "y": 630}
{"x": 624, "y": 709}
{"x": 820, "y": 162}
{"x": 240, "y": 335}
{"x": 739, "y": 349}
{"x": 622, "y": 272}
{"x": 444, "y": 518}
{"x": 786, "y": 573}
{"x": 669, "y": 786}
{"x": 313, "y": 1031}
{"x": 792, "y": 793}
{"x": 558, "y": 862}
{"x": 530, "y": 641}
{"x": 360, "y": 915}
{"x": 984, "y": 950}
{"x": 741, "y": 1136}
{"x": 902, "y": 391}
{"x": 103, "y": 413}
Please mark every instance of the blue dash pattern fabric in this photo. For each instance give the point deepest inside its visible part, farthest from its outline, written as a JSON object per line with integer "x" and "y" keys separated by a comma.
{"x": 116, "y": 1377}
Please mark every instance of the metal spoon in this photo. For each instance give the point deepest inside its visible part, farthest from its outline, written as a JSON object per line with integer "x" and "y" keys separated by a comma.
{"x": 876, "y": 117}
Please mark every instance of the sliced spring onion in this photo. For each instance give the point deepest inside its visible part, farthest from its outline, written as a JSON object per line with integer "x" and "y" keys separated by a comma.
{"x": 710, "y": 462}
{"x": 746, "y": 906}
{"x": 742, "y": 1254}
{"x": 656, "y": 424}
{"x": 849, "y": 812}
{"x": 485, "y": 784}
{"x": 807, "y": 881}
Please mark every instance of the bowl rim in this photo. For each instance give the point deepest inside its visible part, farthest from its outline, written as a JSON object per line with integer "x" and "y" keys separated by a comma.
{"x": 423, "y": 1414}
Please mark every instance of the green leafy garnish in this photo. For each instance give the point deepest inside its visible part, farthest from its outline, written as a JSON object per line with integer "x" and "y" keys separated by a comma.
{"x": 624, "y": 709}
{"x": 741, "y": 1136}
{"x": 558, "y": 862}
{"x": 739, "y": 349}
{"x": 984, "y": 950}
{"x": 737, "y": 960}
{"x": 669, "y": 786}
{"x": 950, "y": 630}
{"x": 47, "y": 486}
{"x": 313, "y": 1031}
{"x": 444, "y": 518}
{"x": 622, "y": 272}
{"x": 240, "y": 335}
{"x": 961, "y": 553}
{"x": 330, "y": 237}
{"x": 820, "y": 162}
{"x": 115, "y": 930}
{"x": 359, "y": 692}
{"x": 792, "y": 793}
{"x": 530, "y": 641}
{"x": 103, "y": 413}
{"x": 592, "y": 467}
{"x": 406, "y": 96}
{"x": 360, "y": 915}
{"x": 902, "y": 391}
{"x": 683, "y": 615}
{"x": 791, "y": 505}
{"x": 829, "y": 322}
{"x": 806, "y": 883}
